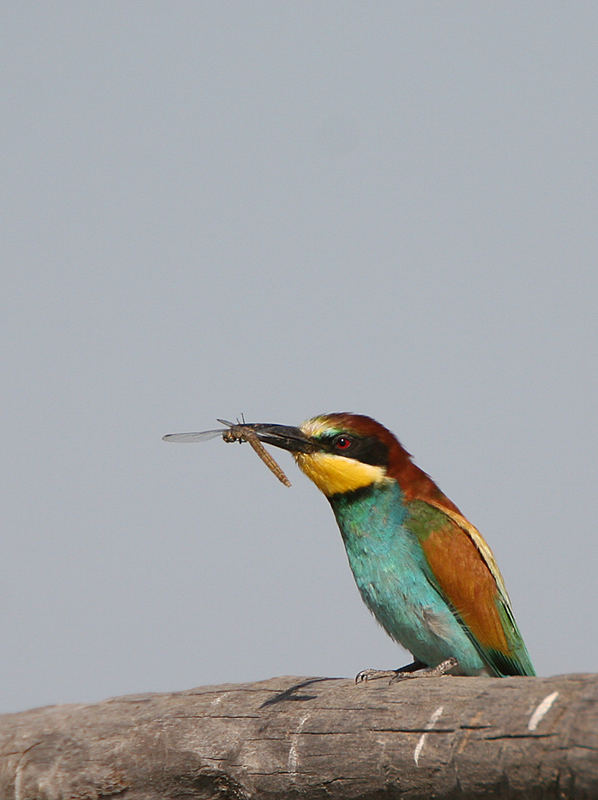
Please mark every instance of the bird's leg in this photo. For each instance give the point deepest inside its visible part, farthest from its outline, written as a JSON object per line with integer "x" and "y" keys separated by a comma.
{"x": 428, "y": 672}
{"x": 376, "y": 674}
{"x": 415, "y": 670}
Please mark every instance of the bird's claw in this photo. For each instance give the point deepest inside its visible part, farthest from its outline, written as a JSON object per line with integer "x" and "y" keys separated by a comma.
{"x": 366, "y": 675}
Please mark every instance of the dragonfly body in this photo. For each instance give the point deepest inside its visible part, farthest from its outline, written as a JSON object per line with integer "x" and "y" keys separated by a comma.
{"x": 235, "y": 432}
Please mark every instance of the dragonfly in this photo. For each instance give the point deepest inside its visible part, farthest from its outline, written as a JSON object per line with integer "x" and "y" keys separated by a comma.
{"x": 234, "y": 432}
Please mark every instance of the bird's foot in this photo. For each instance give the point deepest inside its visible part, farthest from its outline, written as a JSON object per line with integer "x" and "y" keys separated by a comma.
{"x": 375, "y": 674}
{"x": 415, "y": 670}
{"x": 428, "y": 672}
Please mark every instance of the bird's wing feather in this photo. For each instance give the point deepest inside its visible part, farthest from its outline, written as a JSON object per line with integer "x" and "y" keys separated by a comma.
{"x": 466, "y": 574}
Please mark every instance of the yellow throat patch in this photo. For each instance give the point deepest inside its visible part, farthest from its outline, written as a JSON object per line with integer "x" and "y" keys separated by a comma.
{"x": 334, "y": 474}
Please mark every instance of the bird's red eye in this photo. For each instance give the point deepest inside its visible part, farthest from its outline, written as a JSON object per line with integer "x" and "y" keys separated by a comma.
{"x": 343, "y": 443}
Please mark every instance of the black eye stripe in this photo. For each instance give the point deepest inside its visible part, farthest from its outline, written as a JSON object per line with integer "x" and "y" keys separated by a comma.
{"x": 367, "y": 449}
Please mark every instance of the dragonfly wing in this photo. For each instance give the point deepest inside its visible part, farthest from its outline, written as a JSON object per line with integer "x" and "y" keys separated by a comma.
{"x": 200, "y": 436}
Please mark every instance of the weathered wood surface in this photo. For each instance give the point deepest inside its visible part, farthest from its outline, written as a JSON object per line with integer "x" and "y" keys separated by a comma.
{"x": 314, "y": 738}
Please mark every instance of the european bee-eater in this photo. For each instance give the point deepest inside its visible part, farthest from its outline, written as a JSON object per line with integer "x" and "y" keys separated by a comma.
{"x": 421, "y": 567}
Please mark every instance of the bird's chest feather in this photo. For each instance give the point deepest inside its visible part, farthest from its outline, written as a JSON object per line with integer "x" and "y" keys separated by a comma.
{"x": 386, "y": 558}
{"x": 391, "y": 572}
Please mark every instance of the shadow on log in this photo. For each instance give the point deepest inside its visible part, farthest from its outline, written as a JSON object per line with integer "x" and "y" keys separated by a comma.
{"x": 313, "y": 738}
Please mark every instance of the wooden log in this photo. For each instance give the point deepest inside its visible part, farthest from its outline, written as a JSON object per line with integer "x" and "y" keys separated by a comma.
{"x": 313, "y": 738}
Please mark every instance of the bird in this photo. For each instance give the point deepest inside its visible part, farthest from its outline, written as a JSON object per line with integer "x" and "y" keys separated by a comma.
{"x": 422, "y": 569}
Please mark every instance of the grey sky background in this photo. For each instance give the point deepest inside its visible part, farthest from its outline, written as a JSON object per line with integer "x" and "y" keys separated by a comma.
{"x": 283, "y": 209}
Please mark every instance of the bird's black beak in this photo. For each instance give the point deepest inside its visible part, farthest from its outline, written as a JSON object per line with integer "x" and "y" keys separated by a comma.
{"x": 284, "y": 436}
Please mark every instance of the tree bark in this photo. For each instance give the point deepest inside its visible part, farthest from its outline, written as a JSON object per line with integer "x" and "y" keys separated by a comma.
{"x": 314, "y": 738}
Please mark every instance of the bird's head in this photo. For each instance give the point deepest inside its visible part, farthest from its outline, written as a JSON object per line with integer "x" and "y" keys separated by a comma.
{"x": 344, "y": 452}
{"x": 338, "y": 452}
